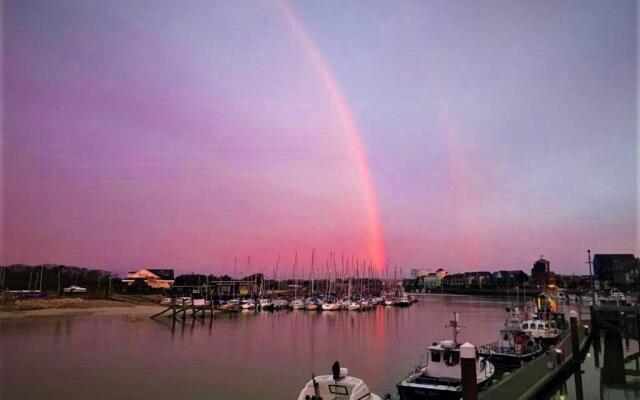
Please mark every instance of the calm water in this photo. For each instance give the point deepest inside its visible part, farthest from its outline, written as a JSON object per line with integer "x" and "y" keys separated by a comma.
{"x": 250, "y": 355}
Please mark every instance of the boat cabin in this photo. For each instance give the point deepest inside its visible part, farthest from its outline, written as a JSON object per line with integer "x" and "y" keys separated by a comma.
{"x": 337, "y": 386}
{"x": 540, "y": 328}
{"x": 444, "y": 360}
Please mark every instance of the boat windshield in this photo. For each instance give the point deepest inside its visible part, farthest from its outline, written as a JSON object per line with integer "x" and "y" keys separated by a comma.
{"x": 338, "y": 389}
{"x": 525, "y": 326}
{"x": 435, "y": 355}
{"x": 451, "y": 357}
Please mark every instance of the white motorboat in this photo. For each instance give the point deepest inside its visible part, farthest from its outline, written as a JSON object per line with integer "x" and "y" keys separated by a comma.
{"x": 338, "y": 385}
{"x": 389, "y": 301}
{"x": 248, "y": 304}
{"x": 441, "y": 377}
{"x": 365, "y": 304}
{"x": 403, "y": 301}
{"x": 232, "y": 305}
{"x": 266, "y": 304}
{"x": 74, "y": 289}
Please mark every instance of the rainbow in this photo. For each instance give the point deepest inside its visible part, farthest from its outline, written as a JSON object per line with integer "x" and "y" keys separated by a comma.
{"x": 464, "y": 195}
{"x": 349, "y": 128}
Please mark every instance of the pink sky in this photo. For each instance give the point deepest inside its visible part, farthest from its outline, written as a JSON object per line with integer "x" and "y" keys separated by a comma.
{"x": 185, "y": 135}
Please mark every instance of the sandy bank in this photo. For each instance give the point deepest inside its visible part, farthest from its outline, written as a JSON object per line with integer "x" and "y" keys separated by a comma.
{"x": 91, "y": 307}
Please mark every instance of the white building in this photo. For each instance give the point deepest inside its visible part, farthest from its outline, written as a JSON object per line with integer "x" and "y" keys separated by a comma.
{"x": 154, "y": 278}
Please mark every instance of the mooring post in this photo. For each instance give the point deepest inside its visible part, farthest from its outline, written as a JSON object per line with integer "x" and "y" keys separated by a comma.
{"x": 468, "y": 365}
{"x": 575, "y": 341}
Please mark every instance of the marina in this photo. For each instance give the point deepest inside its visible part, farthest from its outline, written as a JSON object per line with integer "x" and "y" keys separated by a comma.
{"x": 394, "y": 339}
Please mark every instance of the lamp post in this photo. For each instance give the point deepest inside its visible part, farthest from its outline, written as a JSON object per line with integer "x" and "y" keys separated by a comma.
{"x": 593, "y": 288}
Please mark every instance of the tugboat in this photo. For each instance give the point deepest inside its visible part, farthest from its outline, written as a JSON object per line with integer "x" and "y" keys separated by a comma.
{"x": 441, "y": 377}
{"x": 338, "y": 385}
{"x": 514, "y": 346}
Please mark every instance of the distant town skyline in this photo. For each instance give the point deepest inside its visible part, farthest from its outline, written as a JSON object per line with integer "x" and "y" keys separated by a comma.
{"x": 461, "y": 135}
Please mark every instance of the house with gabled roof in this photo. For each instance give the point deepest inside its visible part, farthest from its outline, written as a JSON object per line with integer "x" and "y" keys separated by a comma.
{"x": 154, "y": 278}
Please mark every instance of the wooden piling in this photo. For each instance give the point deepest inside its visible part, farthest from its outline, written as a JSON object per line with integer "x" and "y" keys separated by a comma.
{"x": 575, "y": 341}
{"x": 468, "y": 366}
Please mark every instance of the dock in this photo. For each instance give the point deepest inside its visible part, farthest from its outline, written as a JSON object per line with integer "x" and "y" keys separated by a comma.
{"x": 535, "y": 377}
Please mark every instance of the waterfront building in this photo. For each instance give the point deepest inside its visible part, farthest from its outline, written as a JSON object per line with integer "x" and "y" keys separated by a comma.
{"x": 434, "y": 279}
{"x": 508, "y": 279}
{"x": 541, "y": 275}
{"x": 614, "y": 269}
{"x": 153, "y": 278}
{"x": 416, "y": 273}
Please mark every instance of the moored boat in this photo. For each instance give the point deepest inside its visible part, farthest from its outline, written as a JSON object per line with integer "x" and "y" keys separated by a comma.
{"x": 544, "y": 330}
{"x": 514, "y": 346}
{"x": 403, "y": 301}
{"x": 330, "y": 305}
{"x": 297, "y": 304}
{"x": 266, "y": 304}
{"x": 338, "y": 385}
{"x": 313, "y": 304}
{"x": 441, "y": 378}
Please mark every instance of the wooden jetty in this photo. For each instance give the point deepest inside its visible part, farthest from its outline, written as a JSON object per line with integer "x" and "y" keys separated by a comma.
{"x": 536, "y": 376}
{"x": 196, "y": 309}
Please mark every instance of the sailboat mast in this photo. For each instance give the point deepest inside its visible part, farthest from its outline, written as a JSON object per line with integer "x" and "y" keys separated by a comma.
{"x": 295, "y": 281}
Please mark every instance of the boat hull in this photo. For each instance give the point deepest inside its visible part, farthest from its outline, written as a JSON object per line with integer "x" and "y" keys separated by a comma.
{"x": 436, "y": 391}
{"x": 426, "y": 393}
{"x": 509, "y": 362}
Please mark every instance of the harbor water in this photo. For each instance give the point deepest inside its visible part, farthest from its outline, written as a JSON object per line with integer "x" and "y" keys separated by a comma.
{"x": 246, "y": 355}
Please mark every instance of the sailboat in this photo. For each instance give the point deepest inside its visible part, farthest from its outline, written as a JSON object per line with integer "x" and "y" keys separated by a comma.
{"x": 297, "y": 303}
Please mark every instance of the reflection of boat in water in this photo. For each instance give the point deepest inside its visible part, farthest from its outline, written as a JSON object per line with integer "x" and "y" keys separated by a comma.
{"x": 514, "y": 346}
{"x": 441, "y": 377}
{"x": 338, "y": 385}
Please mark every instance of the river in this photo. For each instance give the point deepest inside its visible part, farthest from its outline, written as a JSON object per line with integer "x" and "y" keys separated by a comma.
{"x": 248, "y": 355}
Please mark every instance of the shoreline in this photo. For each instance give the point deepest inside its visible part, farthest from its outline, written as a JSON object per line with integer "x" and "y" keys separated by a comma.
{"x": 122, "y": 310}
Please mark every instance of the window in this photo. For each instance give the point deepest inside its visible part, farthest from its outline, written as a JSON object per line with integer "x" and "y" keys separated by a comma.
{"x": 435, "y": 355}
{"x": 525, "y": 326}
{"x": 338, "y": 389}
{"x": 541, "y": 326}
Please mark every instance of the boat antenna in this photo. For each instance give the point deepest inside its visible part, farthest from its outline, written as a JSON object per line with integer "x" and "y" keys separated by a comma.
{"x": 316, "y": 386}
{"x": 456, "y": 328}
